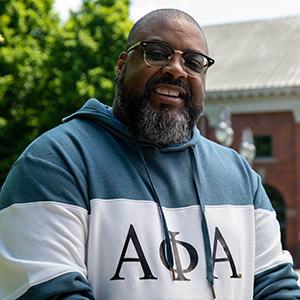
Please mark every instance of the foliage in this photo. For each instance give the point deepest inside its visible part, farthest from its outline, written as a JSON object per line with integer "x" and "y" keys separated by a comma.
{"x": 25, "y": 27}
{"x": 84, "y": 55}
{"x": 48, "y": 69}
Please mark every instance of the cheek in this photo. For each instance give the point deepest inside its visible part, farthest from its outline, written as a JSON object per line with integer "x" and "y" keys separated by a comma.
{"x": 198, "y": 90}
{"x": 137, "y": 77}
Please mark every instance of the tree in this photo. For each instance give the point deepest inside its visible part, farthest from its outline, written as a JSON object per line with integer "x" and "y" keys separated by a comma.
{"x": 48, "y": 69}
{"x": 25, "y": 30}
{"x": 84, "y": 56}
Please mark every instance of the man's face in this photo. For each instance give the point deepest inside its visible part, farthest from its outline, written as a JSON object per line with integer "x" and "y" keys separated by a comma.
{"x": 161, "y": 105}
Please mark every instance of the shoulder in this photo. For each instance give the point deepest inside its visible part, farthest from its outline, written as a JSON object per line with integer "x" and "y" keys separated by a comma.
{"x": 227, "y": 175}
{"x": 220, "y": 155}
{"x": 66, "y": 139}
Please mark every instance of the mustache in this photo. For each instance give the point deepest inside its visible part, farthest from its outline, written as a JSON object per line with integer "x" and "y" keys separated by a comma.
{"x": 169, "y": 80}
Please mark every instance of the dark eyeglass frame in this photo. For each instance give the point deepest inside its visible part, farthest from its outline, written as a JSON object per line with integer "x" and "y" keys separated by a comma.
{"x": 144, "y": 44}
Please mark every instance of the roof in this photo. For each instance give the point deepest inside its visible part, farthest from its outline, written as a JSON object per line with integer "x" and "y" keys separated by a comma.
{"x": 254, "y": 57}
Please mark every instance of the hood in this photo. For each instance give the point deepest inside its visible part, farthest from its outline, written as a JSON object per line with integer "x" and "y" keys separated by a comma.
{"x": 102, "y": 114}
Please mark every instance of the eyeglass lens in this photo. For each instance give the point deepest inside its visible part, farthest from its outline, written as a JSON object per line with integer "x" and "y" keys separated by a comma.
{"x": 159, "y": 55}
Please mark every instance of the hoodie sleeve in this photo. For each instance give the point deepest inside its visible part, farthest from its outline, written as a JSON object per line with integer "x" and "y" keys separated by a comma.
{"x": 71, "y": 286}
{"x": 279, "y": 282}
{"x": 44, "y": 227}
{"x": 274, "y": 274}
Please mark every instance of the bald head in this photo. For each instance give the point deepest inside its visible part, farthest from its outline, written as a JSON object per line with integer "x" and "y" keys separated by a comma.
{"x": 157, "y": 16}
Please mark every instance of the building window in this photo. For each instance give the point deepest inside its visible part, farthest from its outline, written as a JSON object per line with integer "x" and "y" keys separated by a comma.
{"x": 263, "y": 144}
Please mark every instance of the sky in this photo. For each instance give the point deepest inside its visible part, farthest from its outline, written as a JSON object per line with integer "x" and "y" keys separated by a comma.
{"x": 206, "y": 12}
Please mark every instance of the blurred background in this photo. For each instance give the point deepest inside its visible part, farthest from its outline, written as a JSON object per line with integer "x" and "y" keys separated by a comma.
{"x": 54, "y": 55}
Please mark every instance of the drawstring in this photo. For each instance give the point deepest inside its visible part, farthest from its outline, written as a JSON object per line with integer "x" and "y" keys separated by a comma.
{"x": 169, "y": 254}
{"x": 207, "y": 248}
{"x": 204, "y": 227}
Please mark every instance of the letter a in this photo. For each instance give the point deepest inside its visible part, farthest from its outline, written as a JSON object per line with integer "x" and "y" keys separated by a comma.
{"x": 141, "y": 257}
{"x": 219, "y": 238}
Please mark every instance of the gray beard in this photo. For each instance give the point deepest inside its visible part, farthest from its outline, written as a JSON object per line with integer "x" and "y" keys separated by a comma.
{"x": 158, "y": 126}
{"x": 163, "y": 127}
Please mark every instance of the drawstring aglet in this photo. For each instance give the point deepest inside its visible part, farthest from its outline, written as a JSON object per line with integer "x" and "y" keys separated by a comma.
{"x": 213, "y": 292}
{"x": 173, "y": 273}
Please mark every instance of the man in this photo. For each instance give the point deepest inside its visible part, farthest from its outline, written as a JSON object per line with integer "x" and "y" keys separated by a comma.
{"x": 132, "y": 202}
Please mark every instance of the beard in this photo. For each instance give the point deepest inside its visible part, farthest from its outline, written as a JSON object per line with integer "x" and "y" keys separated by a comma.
{"x": 163, "y": 127}
{"x": 156, "y": 125}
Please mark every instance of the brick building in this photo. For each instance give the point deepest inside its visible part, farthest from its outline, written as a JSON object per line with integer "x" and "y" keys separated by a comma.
{"x": 257, "y": 75}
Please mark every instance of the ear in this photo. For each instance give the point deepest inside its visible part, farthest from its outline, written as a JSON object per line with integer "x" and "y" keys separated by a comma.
{"x": 121, "y": 62}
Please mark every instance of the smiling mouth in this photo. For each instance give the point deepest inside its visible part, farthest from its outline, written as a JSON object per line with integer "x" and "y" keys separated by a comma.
{"x": 169, "y": 92}
{"x": 166, "y": 92}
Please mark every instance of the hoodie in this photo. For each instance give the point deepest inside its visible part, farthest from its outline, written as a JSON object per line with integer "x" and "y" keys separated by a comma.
{"x": 90, "y": 212}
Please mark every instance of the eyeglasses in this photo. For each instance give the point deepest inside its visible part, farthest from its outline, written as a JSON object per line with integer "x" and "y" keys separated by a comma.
{"x": 159, "y": 54}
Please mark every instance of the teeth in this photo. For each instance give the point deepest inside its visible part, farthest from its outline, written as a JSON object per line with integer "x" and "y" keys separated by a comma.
{"x": 167, "y": 92}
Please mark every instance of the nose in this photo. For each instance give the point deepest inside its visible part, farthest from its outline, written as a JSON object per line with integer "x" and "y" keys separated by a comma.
{"x": 174, "y": 68}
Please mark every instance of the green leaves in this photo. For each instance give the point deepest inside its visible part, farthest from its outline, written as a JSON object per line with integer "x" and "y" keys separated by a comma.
{"x": 49, "y": 69}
